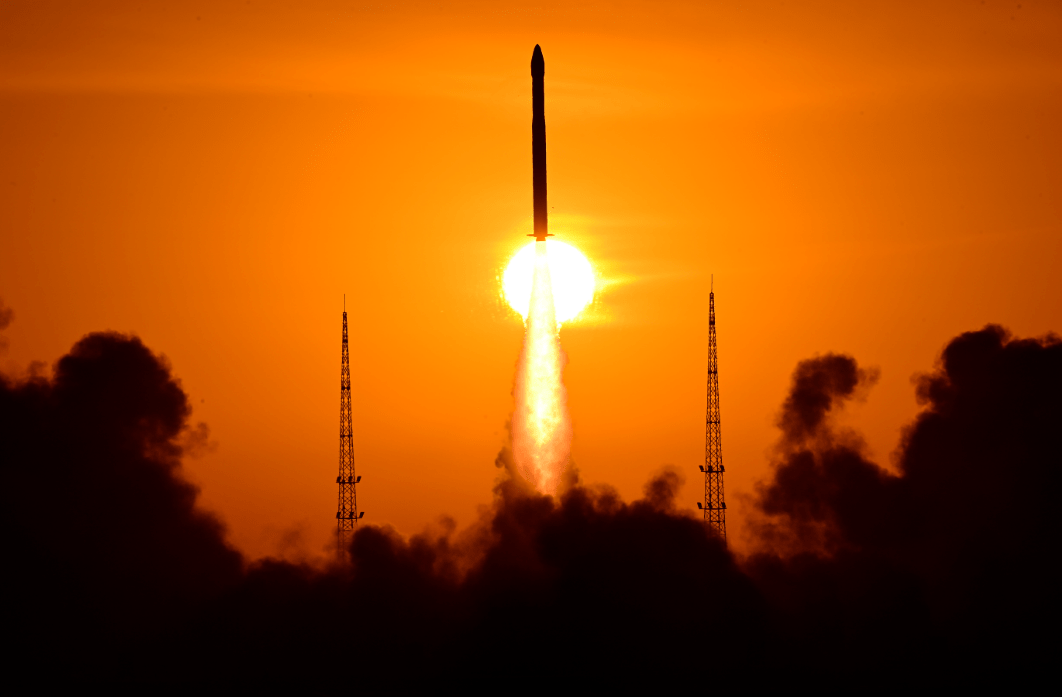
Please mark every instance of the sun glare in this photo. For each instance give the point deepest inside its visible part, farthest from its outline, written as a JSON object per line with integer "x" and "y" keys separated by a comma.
{"x": 569, "y": 270}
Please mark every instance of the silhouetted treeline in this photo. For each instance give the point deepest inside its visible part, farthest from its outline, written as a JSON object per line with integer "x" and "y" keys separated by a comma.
{"x": 943, "y": 575}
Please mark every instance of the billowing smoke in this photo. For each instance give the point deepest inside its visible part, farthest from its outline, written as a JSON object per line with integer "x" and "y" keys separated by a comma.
{"x": 933, "y": 566}
{"x": 941, "y": 574}
{"x": 541, "y": 425}
{"x": 814, "y": 460}
{"x": 104, "y": 541}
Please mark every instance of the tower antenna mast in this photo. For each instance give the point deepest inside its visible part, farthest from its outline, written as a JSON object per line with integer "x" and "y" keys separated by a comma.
{"x": 714, "y": 506}
{"x": 347, "y": 516}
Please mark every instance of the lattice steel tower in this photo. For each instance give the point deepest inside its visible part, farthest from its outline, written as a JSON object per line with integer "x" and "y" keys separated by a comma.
{"x": 347, "y": 516}
{"x": 714, "y": 506}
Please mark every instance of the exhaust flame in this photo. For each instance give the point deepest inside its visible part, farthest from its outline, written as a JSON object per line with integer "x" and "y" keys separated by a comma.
{"x": 541, "y": 427}
{"x": 572, "y": 279}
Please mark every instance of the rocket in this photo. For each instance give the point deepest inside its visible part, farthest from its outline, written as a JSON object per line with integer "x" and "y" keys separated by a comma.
{"x": 538, "y": 143}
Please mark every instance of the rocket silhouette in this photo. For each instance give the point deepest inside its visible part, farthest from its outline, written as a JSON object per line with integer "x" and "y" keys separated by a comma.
{"x": 538, "y": 143}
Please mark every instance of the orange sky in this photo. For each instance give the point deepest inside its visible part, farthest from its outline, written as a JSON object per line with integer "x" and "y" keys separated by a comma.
{"x": 870, "y": 178}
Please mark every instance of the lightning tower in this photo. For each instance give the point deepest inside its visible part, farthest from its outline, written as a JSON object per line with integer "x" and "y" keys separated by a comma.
{"x": 347, "y": 516}
{"x": 714, "y": 507}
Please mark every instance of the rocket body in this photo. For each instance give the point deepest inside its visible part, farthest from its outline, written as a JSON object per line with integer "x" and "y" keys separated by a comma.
{"x": 538, "y": 143}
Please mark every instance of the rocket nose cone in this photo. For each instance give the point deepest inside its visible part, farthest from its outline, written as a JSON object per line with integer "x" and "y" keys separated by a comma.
{"x": 538, "y": 63}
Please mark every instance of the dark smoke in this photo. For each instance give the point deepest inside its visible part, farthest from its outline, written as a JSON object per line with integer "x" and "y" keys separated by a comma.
{"x": 950, "y": 563}
{"x": 865, "y": 580}
{"x": 104, "y": 541}
{"x": 822, "y": 483}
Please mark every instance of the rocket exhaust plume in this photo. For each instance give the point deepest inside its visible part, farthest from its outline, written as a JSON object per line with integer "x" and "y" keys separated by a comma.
{"x": 541, "y": 426}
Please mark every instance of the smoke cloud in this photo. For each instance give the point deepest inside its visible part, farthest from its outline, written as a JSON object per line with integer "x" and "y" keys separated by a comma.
{"x": 931, "y": 567}
{"x": 101, "y": 529}
{"x": 940, "y": 573}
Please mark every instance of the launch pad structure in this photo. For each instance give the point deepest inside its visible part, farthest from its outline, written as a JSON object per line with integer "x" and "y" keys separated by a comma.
{"x": 347, "y": 516}
{"x": 714, "y": 506}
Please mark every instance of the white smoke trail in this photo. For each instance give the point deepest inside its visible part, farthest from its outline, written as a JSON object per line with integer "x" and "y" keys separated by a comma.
{"x": 541, "y": 426}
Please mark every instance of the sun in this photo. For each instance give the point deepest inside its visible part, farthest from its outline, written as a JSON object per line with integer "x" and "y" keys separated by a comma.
{"x": 569, "y": 270}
